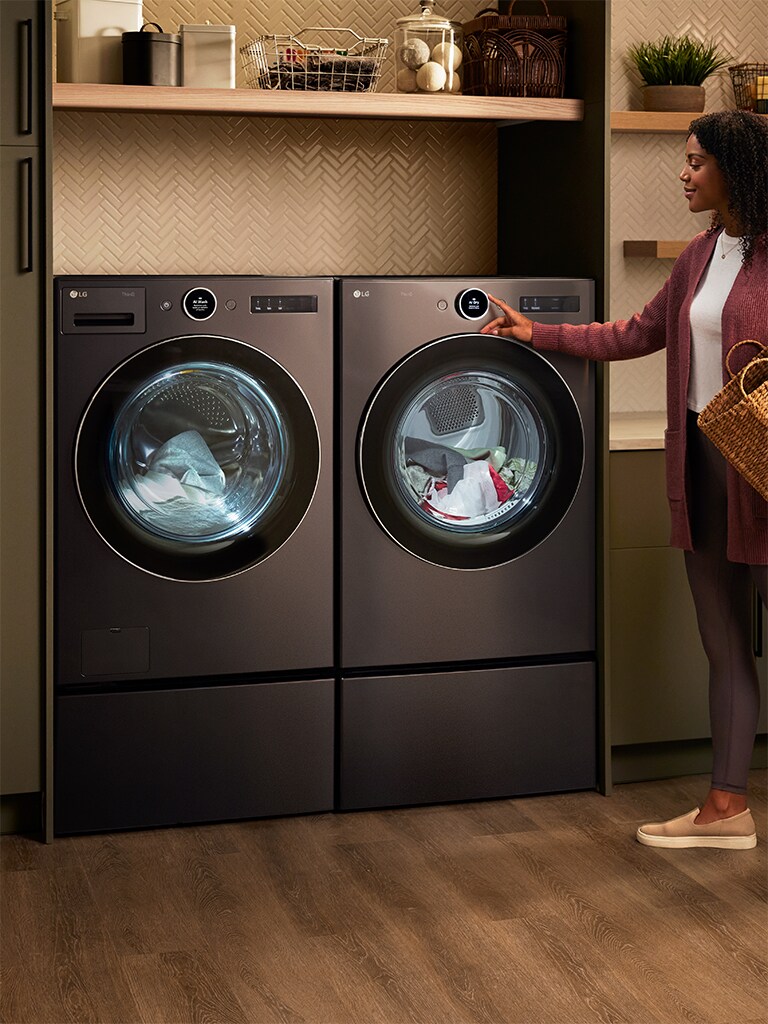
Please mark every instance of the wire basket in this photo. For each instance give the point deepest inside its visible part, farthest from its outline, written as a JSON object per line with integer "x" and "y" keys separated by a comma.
{"x": 744, "y": 79}
{"x": 291, "y": 62}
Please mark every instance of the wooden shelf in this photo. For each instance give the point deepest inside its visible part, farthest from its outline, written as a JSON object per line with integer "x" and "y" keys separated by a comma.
{"x": 655, "y": 249}
{"x": 651, "y": 121}
{"x": 266, "y": 103}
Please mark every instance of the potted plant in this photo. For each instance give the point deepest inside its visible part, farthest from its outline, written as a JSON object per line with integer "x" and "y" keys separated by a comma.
{"x": 674, "y": 69}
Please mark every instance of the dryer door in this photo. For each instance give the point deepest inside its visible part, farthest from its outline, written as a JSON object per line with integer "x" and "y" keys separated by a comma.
{"x": 471, "y": 451}
{"x": 197, "y": 458}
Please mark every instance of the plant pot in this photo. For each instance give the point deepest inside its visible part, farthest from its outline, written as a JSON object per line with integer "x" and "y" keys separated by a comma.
{"x": 688, "y": 98}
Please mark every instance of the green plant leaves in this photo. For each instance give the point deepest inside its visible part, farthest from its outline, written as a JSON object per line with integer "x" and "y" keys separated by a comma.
{"x": 676, "y": 61}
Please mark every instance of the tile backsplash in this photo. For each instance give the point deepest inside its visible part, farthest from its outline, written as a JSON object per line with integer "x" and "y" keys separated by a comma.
{"x": 160, "y": 194}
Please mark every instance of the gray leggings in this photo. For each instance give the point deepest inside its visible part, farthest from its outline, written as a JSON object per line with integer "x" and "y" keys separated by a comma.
{"x": 722, "y": 593}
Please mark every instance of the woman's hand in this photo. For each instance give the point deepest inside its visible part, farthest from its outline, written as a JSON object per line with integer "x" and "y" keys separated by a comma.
{"x": 511, "y": 325}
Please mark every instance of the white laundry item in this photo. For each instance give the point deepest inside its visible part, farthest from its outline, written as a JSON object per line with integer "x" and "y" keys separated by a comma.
{"x": 187, "y": 458}
{"x": 474, "y": 495}
{"x": 182, "y": 490}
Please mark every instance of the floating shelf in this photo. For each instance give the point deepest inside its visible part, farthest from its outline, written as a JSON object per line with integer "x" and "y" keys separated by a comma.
{"x": 655, "y": 249}
{"x": 276, "y": 103}
{"x": 653, "y": 120}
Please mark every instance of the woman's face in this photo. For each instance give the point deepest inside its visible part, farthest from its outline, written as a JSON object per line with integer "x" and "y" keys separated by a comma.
{"x": 703, "y": 182}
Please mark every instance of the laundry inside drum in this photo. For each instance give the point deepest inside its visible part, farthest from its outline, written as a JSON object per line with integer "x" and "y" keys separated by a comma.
{"x": 197, "y": 453}
{"x": 470, "y": 451}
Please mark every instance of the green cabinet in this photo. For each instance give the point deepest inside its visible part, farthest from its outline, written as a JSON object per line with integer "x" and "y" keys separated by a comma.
{"x": 659, "y": 722}
{"x": 24, "y": 331}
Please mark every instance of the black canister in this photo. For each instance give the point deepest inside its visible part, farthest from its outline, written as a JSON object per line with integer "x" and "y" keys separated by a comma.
{"x": 151, "y": 58}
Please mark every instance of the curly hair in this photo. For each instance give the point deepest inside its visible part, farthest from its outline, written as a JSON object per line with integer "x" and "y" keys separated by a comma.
{"x": 738, "y": 140}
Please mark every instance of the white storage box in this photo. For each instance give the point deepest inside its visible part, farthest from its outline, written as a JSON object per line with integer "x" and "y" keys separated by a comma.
{"x": 208, "y": 56}
{"x": 89, "y": 38}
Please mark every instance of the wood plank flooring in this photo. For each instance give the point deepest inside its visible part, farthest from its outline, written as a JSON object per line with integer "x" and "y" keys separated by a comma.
{"x": 539, "y": 909}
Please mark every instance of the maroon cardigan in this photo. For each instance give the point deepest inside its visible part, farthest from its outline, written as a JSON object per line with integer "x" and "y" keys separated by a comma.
{"x": 665, "y": 321}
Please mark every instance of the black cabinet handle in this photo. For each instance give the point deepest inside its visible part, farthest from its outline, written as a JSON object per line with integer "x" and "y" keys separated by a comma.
{"x": 757, "y": 625}
{"x": 26, "y": 215}
{"x": 26, "y": 84}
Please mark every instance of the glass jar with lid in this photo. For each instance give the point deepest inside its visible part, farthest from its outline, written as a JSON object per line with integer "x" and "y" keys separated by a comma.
{"x": 428, "y": 52}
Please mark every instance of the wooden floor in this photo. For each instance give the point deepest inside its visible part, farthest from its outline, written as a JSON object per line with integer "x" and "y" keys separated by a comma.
{"x": 519, "y": 911}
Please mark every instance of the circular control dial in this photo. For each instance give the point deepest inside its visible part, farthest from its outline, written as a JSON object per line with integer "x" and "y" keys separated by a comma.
{"x": 472, "y": 304}
{"x": 199, "y": 303}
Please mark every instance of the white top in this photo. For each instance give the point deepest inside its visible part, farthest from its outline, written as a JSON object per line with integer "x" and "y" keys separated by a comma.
{"x": 706, "y": 376}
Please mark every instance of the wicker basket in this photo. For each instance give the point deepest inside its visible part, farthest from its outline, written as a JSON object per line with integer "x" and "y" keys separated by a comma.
{"x": 736, "y": 419}
{"x": 744, "y": 78}
{"x": 514, "y": 55}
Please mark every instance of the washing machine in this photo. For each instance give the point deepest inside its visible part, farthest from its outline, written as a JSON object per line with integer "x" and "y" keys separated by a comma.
{"x": 194, "y": 596}
{"x": 467, "y": 504}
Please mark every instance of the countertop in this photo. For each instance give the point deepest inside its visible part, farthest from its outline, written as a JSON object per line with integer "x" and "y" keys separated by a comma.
{"x": 636, "y": 431}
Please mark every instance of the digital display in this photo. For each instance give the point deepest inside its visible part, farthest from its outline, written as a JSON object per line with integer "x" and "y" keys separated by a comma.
{"x": 199, "y": 303}
{"x": 472, "y": 304}
{"x": 549, "y": 304}
{"x": 283, "y": 303}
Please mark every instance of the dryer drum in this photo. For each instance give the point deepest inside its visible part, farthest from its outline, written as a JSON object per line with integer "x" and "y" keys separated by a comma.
{"x": 470, "y": 451}
{"x": 197, "y": 458}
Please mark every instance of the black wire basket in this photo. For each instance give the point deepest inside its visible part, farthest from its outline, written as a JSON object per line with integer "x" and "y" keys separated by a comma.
{"x": 745, "y": 86}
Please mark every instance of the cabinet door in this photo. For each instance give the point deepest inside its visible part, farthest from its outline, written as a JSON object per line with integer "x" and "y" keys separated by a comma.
{"x": 21, "y": 44}
{"x": 21, "y": 418}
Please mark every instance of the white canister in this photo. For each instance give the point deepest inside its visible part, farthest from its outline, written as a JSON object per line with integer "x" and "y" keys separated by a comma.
{"x": 89, "y": 38}
{"x": 208, "y": 56}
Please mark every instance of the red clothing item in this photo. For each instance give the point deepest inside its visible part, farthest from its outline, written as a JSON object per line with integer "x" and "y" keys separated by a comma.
{"x": 503, "y": 493}
{"x": 665, "y": 322}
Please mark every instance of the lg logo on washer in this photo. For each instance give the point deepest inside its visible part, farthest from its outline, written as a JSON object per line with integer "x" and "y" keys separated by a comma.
{"x": 357, "y": 294}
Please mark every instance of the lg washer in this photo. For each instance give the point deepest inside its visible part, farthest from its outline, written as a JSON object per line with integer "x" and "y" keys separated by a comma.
{"x": 193, "y": 549}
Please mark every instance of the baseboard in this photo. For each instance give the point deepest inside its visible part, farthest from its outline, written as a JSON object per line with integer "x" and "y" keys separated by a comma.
{"x": 21, "y": 813}
{"x": 641, "y": 762}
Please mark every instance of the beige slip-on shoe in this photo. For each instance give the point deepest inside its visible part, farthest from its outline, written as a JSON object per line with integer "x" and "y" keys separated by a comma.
{"x": 734, "y": 833}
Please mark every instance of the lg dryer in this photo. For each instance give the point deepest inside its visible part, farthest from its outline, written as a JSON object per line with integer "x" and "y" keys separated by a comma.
{"x": 467, "y": 545}
{"x": 193, "y": 549}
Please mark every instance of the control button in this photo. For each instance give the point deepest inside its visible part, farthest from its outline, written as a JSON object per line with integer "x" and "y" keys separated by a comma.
{"x": 472, "y": 304}
{"x": 166, "y": 304}
{"x": 230, "y": 304}
{"x": 199, "y": 303}
{"x": 442, "y": 304}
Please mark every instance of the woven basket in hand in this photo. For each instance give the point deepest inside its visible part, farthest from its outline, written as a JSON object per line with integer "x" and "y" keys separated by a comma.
{"x": 736, "y": 419}
{"x": 514, "y": 55}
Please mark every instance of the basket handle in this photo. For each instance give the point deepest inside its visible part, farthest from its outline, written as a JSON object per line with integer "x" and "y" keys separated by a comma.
{"x": 508, "y": 9}
{"x": 752, "y": 367}
{"x": 325, "y": 28}
{"x": 738, "y": 344}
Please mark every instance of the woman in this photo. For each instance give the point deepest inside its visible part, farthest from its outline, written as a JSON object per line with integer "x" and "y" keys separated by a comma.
{"x": 716, "y": 296}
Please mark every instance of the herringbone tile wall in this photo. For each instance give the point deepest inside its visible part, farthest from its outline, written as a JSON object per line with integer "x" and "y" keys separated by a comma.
{"x": 161, "y": 194}
{"x": 646, "y": 197}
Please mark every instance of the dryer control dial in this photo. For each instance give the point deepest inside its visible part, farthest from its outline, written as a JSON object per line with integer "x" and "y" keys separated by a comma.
{"x": 199, "y": 303}
{"x": 472, "y": 304}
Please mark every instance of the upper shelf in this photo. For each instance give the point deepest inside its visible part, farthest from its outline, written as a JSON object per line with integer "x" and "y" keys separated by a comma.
{"x": 150, "y": 99}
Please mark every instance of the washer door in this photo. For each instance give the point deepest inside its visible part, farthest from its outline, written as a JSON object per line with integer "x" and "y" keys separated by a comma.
{"x": 197, "y": 458}
{"x": 471, "y": 451}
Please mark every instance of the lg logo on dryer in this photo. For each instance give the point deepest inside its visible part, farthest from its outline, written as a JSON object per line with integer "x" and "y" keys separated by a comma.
{"x": 361, "y": 295}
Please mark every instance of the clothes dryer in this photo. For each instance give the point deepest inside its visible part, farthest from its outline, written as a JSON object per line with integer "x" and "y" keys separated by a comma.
{"x": 467, "y": 640}
{"x": 193, "y": 549}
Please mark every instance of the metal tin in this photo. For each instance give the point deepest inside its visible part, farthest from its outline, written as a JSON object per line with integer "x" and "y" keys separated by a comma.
{"x": 151, "y": 58}
{"x": 208, "y": 56}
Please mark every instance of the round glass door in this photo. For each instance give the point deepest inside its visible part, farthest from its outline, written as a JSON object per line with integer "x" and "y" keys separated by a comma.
{"x": 197, "y": 458}
{"x": 471, "y": 451}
